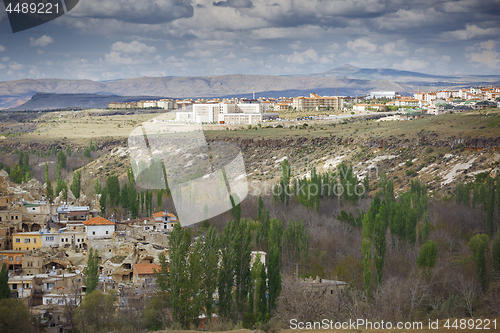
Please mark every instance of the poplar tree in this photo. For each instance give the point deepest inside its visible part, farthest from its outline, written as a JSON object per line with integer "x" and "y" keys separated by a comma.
{"x": 495, "y": 255}
{"x": 76, "y": 184}
{"x": 159, "y": 195}
{"x": 262, "y": 309}
{"x": 4, "y": 282}
{"x": 50, "y": 191}
{"x": 366, "y": 248}
{"x": 225, "y": 281}
{"x": 210, "y": 261}
{"x": 91, "y": 278}
{"x": 274, "y": 263}
{"x": 242, "y": 253}
{"x": 479, "y": 245}
{"x": 61, "y": 159}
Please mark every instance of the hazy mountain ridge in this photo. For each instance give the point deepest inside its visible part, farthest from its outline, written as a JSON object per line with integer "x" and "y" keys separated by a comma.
{"x": 346, "y": 80}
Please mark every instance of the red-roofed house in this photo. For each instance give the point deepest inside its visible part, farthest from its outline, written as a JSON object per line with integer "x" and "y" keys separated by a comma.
{"x": 144, "y": 273}
{"x": 99, "y": 227}
{"x": 165, "y": 221}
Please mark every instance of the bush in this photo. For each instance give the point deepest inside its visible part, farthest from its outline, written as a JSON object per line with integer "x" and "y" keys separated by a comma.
{"x": 411, "y": 173}
{"x": 429, "y": 150}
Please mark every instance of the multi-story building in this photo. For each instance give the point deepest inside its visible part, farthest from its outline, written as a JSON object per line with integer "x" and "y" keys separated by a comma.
{"x": 12, "y": 258}
{"x": 226, "y": 113}
{"x": 165, "y": 221}
{"x": 74, "y": 214}
{"x": 314, "y": 101}
{"x": 27, "y": 241}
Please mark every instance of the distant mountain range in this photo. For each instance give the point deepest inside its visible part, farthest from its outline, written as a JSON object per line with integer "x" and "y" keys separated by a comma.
{"x": 345, "y": 80}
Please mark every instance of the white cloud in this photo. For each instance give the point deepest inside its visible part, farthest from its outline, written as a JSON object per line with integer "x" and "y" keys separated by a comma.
{"x": 302, "y": 57}
{"x": 116, "y": 58}
{"x": 2, "y": 48}
{"x": 485, "y": 54}
{"x": 16, "y": 66}
{"x": 2, "y": 66}
{"x": 471, "y": 31}
{"x": 297, "y": 45}
{"x": 445, "y": 58}
{"x": 411, "y": 64}
{"x": 132, "y": 47}
{"x": 42, "y": 41}
{"x": 404, "y": 19}
{"x": 4, "y": 59}
{"x": 399, "y": 48}
{"x": 362, "y": 45}
{"x": 146, "y": 12}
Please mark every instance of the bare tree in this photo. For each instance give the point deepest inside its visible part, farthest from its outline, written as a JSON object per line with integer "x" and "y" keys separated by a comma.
{"x": 468, "y": 288}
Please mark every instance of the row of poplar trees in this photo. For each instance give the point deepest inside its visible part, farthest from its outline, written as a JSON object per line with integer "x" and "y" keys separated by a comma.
{"x": 485, "y": 191}
{"x": 401, "y": 218}
{"x": 114, "y": 196}
{"x": 342, "y": 185}
{"x": 221, "y": 263}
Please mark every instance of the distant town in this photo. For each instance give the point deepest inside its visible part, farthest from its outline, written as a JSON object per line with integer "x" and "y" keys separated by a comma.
{"x": 258, "y": 110}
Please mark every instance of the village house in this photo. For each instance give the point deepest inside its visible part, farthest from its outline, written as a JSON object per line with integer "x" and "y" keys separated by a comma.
{"x": 74, "y": 214}
{"x": 99, "y": 227}
{"x": 27, "y": 240}
{"x": 165, "y": 221}
{"x": 13, "y": 259}
{"x": 144, "y": 273}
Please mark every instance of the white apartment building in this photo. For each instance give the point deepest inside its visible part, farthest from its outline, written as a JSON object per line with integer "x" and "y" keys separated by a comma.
{"x": 226, "y": 113}
{"x": 383, "y": 94}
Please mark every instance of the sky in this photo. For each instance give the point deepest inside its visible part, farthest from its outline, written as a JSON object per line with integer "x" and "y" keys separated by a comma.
{"x": 113, "y": 39}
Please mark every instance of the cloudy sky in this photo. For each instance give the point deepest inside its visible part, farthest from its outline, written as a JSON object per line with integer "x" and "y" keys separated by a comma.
{"x": 112, "y": 39}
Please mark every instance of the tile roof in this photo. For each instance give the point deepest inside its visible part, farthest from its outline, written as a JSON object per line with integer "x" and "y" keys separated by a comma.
{"x": 146, "y": 268}
{"x": 161, "y": 214}
{"x": 98, "y": 221}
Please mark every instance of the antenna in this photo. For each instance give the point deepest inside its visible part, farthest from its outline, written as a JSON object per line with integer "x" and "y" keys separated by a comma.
{"x": 254, "y": 94}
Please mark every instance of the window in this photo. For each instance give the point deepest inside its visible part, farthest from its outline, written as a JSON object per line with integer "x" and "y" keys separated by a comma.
{"x": 4, "y": 258}
{"x": 14, "y": 286}
{"x": 18, "y": 258}
{"x": 27, "y": 240}
{"x": 106, "y": 232}
{"x": 93, "y": 232}
{"x": 34, "y": 240}
{"x": 18, "y": 240}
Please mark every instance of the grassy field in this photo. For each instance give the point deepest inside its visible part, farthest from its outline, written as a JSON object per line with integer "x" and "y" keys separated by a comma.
{"x": 472, "y": 124}
{"x": 79, "y": 127}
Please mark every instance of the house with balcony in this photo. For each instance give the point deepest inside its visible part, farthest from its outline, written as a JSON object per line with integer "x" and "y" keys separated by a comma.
{"x": 165, "y": 221}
